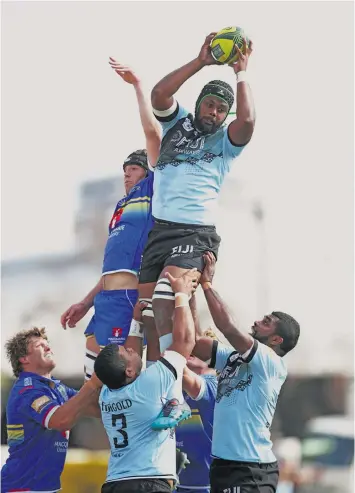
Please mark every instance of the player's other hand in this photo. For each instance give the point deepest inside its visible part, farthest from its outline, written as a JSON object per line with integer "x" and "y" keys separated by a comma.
{"x": 74, "y": 314}
{"x": 95, "y": 382}
{"x": 138, "y": 309}
{"x": 209, "y": 269}
{"x": 187, "y": 283}
{"x": 205, "y": 55}
{"x": 242, "y": 62}
{"x": 126, "y": 73}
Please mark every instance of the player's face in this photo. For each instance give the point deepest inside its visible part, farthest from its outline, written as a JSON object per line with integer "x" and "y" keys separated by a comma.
{"x": 264, "y": 329}
{"x": 211, "y": 114}
{"x": 39, "y": 356}
{"x": 132, "y": 175}
{"x": 133, "y": 361}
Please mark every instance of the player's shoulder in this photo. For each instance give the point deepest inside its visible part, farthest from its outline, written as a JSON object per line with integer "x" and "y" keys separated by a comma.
{"x": 274, "y": 360}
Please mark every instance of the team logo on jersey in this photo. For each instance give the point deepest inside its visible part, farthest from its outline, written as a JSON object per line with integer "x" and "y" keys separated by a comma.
{"x": 116, "y": 217}
{"x": 27, "y": 382}
{"x": 187, "y": 125}
{"x": 116, "y": 332}
{"x": 40, "y": 403}
{"x": 63, "y": 392}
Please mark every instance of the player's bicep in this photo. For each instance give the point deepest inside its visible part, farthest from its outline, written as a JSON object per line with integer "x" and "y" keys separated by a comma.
{"x": 169, "y": 117}
{"x": 230, "y": 151}
{"x": 40, "y": 407}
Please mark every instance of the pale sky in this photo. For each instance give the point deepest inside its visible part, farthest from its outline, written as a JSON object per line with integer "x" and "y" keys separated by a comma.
{"x": 66, "y": 118}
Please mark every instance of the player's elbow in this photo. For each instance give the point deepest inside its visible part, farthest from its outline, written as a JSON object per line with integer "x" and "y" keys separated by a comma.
{"x": 60, "y": 423}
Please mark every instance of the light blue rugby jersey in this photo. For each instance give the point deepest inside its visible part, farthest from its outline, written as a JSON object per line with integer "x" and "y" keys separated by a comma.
{"x": 248, "y": 389}
{"x": 137, "y": 451}
{"x": 190, "y": 170}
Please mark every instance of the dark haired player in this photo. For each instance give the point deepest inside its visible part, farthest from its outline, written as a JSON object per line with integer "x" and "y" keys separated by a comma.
{"x": 196, "y": 154}
{"x": 116, "y": 293}
{"x": 142, "y": 459}
{"x": 252, "y": 373}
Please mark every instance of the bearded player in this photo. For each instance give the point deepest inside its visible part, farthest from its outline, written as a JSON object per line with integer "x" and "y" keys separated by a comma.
{"x": 116, "y": 293}
{"x": 196, "y": 154}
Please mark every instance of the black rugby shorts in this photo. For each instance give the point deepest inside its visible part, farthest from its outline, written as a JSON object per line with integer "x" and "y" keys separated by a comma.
{"x": 243, "y": 477}
{"x": 182, "y": 245}
{"x": 148, "y": 485}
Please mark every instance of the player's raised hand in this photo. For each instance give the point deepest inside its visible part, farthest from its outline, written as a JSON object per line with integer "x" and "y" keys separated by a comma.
{"x": 184, "y": 284}
{"x": 242, "y": 62}
{"x": 74, "y": 314}
{"x": 125, "y": 72}
{"x": 205, "y": 55}
{"x": 138, "y": 309}
{"x": 210, "y": 267}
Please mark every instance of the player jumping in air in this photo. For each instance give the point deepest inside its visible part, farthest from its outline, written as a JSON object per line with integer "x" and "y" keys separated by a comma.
{"x": 116, "y": 293}
{"x": 196, "y": 154}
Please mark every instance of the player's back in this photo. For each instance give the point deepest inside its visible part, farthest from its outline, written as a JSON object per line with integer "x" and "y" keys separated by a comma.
{"x": 137, "y": 451}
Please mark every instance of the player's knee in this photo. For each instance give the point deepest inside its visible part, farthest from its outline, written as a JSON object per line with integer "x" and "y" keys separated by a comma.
{"x": 147, "y": 310}
{"x": 163, "y": 291}
{"x": 90, "y": 358}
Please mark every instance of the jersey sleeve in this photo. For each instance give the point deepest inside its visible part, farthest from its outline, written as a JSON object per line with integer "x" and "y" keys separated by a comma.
{"x": 156, "y": 381}
{"x": 168, "y": 118}
{"x": 208, "y": 390}
{"x": 230, "y": 151}
{"x": 70, "y": 392}
{"x": 220, "y": 354}
{"x": 39, "y": 406}
{"x": 266, "y": 363}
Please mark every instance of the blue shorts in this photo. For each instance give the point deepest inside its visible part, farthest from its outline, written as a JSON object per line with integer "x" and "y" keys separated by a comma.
{"x": 113, "y": 315}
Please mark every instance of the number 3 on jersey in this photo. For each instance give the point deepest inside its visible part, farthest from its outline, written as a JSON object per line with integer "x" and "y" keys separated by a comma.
{"x": 120, "y": 442}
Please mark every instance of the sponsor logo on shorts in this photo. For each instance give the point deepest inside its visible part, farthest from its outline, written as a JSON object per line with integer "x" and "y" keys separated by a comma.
{"x": 40, "y": 403}
{"x": 116, "y": 332}
{"x": 181, "y": 250}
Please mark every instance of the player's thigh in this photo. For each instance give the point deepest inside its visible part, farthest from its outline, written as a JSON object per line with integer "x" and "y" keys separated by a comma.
{"x": 191, "y": 245}
{"x": 137, "y": 486}
{"x": 91, "y": 344}
{"x": 113, "y": 315}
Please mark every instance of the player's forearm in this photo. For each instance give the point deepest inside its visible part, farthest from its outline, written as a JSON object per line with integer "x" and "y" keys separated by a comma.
{"x": 65, "y": 417}
{"x": 191, "y": 383}
{"x": 183, "y": 330}
{"x": 151, "y": 127}
{"x": 245, "y": 111}
{"x": 89, "y": 298}
{"x": 224, "y": 321}
{"x": 171, "y": 83}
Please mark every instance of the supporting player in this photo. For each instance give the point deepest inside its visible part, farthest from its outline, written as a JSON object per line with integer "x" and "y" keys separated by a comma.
{"x": 142, "y": 459}
{"x": 195, "y": 156}
{"x": 252, "y": 374}
{"x": 194, "y": 436}
{"x": 116, "y": 293}
{"x": 40, "y": 412}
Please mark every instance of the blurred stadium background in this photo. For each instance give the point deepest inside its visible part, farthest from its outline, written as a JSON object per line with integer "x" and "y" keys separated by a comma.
{"x": 313, "y": 425}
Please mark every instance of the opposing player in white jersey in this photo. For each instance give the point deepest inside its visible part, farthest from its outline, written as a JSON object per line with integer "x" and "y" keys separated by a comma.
{"x": 252, "y": 373}
{"x": 142, "y": 459}
{"x": 196, "y": 154}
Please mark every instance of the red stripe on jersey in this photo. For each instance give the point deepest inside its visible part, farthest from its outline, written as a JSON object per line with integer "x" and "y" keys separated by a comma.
{"x": 44, "y": 417}
{"x": 20, "y": 392}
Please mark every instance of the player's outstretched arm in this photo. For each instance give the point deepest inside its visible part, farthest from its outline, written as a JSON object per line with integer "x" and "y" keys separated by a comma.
{"x": 220, "y": 312}
{"x": 191, "y": 383}
{"x": 84, "y": 403}
{"x": 136, "y": 332}
{"x": 241, "y": 129}
{"x": 184, "y": 328}
{"x": 76, "y": 312}
{"x": 163, "y": 92}
{"x": 151, "y": 127}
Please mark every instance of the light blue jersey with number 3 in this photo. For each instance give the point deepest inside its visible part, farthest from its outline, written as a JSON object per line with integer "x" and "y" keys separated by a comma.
{"x": 137, "y": 451}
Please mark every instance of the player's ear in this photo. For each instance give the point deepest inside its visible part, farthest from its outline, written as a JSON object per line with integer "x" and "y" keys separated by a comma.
{"x": 130, "y": 371}
{"x": 23, "y": 360}
{"x": 276, "y": 340}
